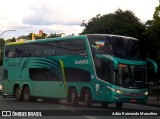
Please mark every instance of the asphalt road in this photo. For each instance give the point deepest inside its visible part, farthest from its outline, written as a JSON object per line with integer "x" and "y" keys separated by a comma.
{"x": 64, "y": 110}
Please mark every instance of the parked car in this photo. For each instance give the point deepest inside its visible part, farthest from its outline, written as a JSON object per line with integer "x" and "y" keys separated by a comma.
{"x": 0, "y": 87}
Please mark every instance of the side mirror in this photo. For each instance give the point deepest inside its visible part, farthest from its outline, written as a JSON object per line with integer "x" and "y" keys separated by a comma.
{"x": 154, "y": 64}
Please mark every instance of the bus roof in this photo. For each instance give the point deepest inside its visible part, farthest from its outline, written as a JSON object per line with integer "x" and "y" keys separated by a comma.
{"x": 45, "y": 40}
{"x": 60, "y": 38}
{"x": 112, "y": 35}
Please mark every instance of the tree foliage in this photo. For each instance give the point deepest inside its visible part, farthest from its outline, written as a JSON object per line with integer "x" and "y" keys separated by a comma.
{"x": 54, "y": 35}
{"x": 28, "y": 37}
{"x": 2, "y": 43}
{"x": 11, "y": 40}
{"x": 152, "y": 35}
{"x": 119, "y": 23}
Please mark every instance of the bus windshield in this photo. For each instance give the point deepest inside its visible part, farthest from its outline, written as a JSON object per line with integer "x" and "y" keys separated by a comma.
{"x": 126, "y": 48}
{"x": 120, "y": 47}
{"x": 131, "y": 76}
{"x": 99, "y": 45}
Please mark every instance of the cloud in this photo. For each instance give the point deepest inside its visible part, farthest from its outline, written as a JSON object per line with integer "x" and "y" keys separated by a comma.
{"x": 63, "y": 16}
{"x": 48, "y": 16}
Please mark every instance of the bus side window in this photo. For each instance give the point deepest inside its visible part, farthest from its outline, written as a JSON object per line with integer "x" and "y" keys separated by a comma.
{"x": 7, "y": 53}
{"x": 53, "y": 76}
{"x": 103, "y": 69}
{"x": 77, "y": 75}
{"x": 11, "y": 54}
{"x": 5, "y": 74}
{"x": 38, "y": 53}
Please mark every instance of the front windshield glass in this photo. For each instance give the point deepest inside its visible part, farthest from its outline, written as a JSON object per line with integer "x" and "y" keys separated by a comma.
{"x": 131, "y": 76}
{"x": 99, "y": 44}
{"x": 126, "y": 48}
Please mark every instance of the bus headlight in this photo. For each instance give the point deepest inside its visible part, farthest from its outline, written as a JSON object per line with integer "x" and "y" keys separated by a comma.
{"x": 146, "y": 93}
{"x": 119, "y": 92}
{"x": 114, "y": 90}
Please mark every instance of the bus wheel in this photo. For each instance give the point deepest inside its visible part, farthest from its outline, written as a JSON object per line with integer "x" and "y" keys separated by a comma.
{"x": 119, "y": 105}
{"x": 88, "y": 98}
{"x": 74, "y": 97}
{"x": 104, "y": 104}
{"x": 18, "y": 93}
{"x": 26, "y": 94}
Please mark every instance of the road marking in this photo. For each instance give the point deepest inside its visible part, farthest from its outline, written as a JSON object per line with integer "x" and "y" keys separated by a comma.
{"x": 90, "y": 117}
{"x": 62, "y": 107}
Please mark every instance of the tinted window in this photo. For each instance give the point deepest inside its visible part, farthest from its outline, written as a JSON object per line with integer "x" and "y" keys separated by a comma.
{"x": 43, "y": 74}
{"x": 17, "y": 51}
{"x": 104, "y": 69}
{"x": 77, "y": 75}
{"x": 99, "y": 45}
{"x": 5, "y": 74}
{"x": 70, "y": 47}
{"x": 56, "y": 48}
{"x": 125, "y": 48}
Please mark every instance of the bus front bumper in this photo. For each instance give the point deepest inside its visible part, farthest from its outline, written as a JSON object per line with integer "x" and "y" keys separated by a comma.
{"x": 130, "y": 99}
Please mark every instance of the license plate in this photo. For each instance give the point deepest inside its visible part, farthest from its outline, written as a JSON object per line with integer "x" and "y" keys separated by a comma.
{"x": 133, "y": 100}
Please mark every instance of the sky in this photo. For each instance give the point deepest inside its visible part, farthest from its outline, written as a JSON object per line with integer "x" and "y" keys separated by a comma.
{"x": 63, "y": 16}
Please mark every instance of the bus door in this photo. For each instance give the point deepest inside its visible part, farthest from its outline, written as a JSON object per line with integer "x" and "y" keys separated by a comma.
{"x": 104, "y": 71}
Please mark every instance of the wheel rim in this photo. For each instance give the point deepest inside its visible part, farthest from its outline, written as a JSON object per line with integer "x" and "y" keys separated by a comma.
{"x": 86, "y": 97}
{"x": 73, "y": 96}
{"x": 18, "y": 94}
{"x": 26, "y": 94}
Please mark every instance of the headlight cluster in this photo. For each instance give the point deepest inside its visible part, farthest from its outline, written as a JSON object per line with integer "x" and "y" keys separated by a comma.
{"x": 114, "y": 90}
{"x": 146, "y": 93}
{"x": 127, "y": 94}
{"x": 119, "y": 92}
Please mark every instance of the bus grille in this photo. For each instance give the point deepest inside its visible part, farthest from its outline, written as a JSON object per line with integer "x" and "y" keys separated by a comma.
{"x": 133, "y": 94}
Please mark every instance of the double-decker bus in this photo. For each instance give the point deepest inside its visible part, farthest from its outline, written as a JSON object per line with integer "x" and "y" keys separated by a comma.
{"x": 89, "y": 68}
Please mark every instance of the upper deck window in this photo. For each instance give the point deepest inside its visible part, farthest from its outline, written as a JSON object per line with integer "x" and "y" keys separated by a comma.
{"x": 49, "y": 48}
{"x": 126, "y": 48}
{"x": 99, "y": 45}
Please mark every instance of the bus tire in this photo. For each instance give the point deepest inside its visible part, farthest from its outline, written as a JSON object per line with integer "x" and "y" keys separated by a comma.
{"x": 88, "y": 98}
{"x": 4, "y": 95}
{"x": 26, "y": 94}
{"x": 119, "y": 105}
{"x": 74, "y": 97}
{"x": 17, "y": 93}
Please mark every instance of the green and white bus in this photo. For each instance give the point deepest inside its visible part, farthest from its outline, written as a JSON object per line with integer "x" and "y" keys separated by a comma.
{"x": 89, "y": 68}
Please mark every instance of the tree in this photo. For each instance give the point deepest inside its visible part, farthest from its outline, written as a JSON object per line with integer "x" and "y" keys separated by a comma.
{"x": 28, "y": 37}
{"x": 54, "y": 35}
{"x": 152, "y": 35}
{"x": 2, "y": 43}
{"x": 41, "y": 37}
{"x": 11, "y": 40}
{"x": 118, "y": 23}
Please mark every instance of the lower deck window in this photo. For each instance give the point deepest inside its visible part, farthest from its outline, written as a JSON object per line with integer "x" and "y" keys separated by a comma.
{"x": 43, "y": 74}
{"x": 77, "y": 75}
